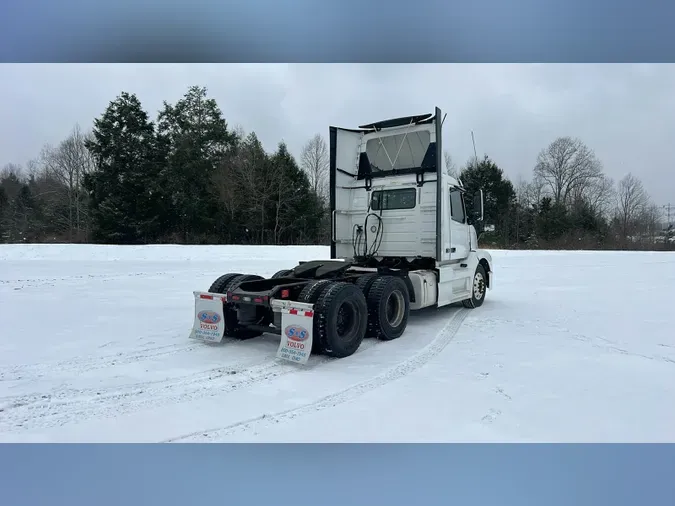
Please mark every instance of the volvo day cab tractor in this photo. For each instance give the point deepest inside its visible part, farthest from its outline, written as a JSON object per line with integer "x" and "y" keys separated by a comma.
{"x": 401, "y": 240}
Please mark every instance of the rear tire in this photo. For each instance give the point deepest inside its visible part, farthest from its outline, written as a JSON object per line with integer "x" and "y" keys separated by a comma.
{"x": 388, "y": 308}
{"x": 365, "y": 282}
{"x": 477, "y": 289}
{"x": 310, "y": 293}
{"x": 234, "y": 282}
{"x": 312, "y": 290}
{"x": 219, "y": 285}
{"x": 230, "y": 320}
{"x": 282, "y": 273}
{"x": 340, "y": 319}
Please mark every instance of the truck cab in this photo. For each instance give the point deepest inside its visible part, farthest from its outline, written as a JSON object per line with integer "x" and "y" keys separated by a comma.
{"x": 394, "y": 205}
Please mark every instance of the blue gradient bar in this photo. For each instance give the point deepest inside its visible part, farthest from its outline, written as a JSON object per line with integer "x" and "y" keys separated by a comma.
{"x": 359, "y": 474}
{"x": 353, "y": 31}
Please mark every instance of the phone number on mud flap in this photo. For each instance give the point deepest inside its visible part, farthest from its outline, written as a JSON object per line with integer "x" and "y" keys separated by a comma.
{"x": 293, "y": 354}
{"x": 207, "y": 335}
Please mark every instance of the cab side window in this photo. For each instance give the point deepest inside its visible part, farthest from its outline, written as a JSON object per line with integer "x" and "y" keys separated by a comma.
{"x": 457, "y": 211}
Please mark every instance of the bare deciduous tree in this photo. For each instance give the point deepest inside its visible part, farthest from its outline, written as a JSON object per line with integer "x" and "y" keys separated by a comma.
{"x": 450, "y": 166}
{"x": 314, "y": 161}
{"x": 567, "y": 166}
{"x": 529, "y": 194}
{"x": 524, "y": 194}
{"x": 248, "y": 184}
{"x": 11, "y": 170}
{"x": 229, "y": 195}
{"x": 599, "y": 195}
{"x": 536, "y": 189}
{"x": 68, "y": 163}
{"x": 632, "y": 201}
{"x": 649, "y": 222}
{"x": 239, "y": 132}
{"x": 285, "y": 193}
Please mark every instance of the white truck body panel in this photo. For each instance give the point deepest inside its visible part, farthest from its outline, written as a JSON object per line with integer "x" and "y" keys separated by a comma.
{"x": 425, "y": 284}
{"x": 431, "y": 222}
{"x": 409, "y": 232}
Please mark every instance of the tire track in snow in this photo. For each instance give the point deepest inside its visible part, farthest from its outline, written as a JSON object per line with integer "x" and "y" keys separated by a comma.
{"x": 65, "y": 392}
{"x": 41, "y": 282}
{"x": 62, "y": 406}
{"x": 442, "y": 339}
{"x": 81, "y": 365}
{"x": 70, "y": 405}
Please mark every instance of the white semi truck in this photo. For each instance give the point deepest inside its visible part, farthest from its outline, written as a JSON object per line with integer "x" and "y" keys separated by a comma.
{"x": 401, "y": 240}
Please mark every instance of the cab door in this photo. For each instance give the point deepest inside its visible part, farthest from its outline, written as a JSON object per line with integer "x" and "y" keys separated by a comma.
{"x": 459, "y": 229}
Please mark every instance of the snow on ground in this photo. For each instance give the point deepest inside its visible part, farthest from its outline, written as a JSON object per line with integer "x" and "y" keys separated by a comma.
{"x": 569, "y": 346}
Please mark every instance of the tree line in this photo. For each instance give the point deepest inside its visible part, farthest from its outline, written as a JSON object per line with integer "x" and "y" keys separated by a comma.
{"x": 184, "y": 177}
{"x": 189, "y": 177}
{"x": 569, "y": 203}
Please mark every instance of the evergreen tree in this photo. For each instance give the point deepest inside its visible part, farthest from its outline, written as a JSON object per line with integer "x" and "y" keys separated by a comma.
{"x": 4, "y": 214}
{"x": 196, "y": 139}
{"x": 26, "y": 215}
{"x": 553, "y": 220}
{"x": 125, "y": 192}
{"x": 498, "y": 193}
{"x": 297, "y": 207}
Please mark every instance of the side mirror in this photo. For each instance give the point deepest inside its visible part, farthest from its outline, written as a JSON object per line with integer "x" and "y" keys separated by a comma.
{"x": 478, "y": 205}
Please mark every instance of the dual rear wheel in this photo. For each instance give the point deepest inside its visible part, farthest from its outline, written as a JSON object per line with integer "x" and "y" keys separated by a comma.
{"x": 344, "y": 313}
{"x": 225, "y": 283}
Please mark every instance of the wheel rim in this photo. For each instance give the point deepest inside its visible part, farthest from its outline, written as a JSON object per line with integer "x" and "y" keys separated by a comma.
{"x": 395, "y": 308}
{"x": 478, "y": 286}
{"x": 346, "y": 318}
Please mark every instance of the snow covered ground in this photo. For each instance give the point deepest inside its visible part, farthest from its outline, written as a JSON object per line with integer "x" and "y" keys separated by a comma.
{"x": 569, "y": 346}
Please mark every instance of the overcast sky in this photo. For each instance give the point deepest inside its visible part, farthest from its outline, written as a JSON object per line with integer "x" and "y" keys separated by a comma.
{"x": 626, "y": 113}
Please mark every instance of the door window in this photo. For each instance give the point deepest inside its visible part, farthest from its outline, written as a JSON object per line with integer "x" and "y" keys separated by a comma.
{"x": 457, "y": 212}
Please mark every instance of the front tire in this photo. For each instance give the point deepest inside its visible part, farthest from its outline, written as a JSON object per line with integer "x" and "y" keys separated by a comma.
{"x": 478, "y": 289}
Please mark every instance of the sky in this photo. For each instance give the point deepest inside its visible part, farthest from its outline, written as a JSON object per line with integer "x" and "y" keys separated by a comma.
{"x": 339, "y": 474}
{"x": 624, "y": 112}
